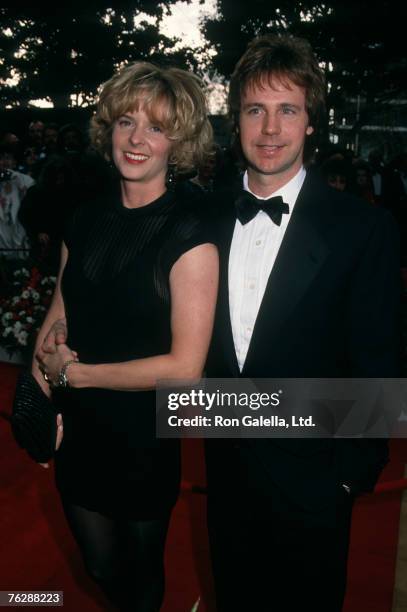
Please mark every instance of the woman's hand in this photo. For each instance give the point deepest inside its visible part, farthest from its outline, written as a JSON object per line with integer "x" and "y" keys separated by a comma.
{"x": 51, "y": 364}
{"x": 60, "y": 435}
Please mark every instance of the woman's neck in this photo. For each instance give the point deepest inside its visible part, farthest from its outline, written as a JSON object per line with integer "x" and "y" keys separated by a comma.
{"x": 135, "y": 195}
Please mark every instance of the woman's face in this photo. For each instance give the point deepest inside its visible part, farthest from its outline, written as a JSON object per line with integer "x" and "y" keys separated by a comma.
{"x": 140, "y": 148}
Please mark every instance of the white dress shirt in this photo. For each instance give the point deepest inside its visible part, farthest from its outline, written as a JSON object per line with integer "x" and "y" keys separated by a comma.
{"x": 253, "y": 252}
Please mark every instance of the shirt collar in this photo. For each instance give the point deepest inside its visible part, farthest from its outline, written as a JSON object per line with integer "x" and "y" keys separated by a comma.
{"x": 289, "y": 192}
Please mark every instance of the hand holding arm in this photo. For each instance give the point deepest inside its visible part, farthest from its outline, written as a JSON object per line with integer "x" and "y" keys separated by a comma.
{"x": 51, "y": 364}
{"x": 60, "y": 435}
{"x": 193, "y": 287}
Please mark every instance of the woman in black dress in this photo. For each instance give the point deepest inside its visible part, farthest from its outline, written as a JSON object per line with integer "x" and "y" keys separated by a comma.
{"x": 136, "y": 295}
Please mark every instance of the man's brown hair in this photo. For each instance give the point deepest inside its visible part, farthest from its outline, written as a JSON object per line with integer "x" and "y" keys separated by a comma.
{"x": 286, "y": 58}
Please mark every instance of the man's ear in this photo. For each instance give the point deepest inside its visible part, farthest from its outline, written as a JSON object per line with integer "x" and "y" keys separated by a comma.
{"x": 309, "y": 130}
{"x": 235, "y": 122}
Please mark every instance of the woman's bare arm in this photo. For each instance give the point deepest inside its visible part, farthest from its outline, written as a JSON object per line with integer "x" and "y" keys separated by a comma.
{"x": 193, "y": 286}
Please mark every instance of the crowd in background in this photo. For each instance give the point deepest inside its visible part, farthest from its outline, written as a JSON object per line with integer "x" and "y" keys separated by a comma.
{"x": 44, "y": 174}
{"x": 380, "y": 183}
{"x": 47, "y": 171}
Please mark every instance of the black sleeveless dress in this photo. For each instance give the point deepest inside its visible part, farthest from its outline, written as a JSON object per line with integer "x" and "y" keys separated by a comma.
{"x": 117, "y": 300}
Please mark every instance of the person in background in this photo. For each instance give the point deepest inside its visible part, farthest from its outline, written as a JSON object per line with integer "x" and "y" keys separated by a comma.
{"x": 207, "y": 174}
{"x": 362, "y": 185}
{"x": 377, "y": 170}
{"x": 71, "y": 140}
{"x": 336, "y": 172}
{"x": 11, "y": 141}
{"x": 35, "y": 135}
{"x": 30, "y": 162}
{"x": 46, "y": 208}
{"x": 13, "y": 187}
{"x": 50, "y": 140}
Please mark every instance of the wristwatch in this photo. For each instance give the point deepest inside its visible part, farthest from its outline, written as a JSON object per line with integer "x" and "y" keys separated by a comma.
{"x": 62, "y": 377}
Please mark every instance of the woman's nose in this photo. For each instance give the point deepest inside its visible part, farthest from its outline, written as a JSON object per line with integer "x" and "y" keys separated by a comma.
{"x": 136, "y": 135}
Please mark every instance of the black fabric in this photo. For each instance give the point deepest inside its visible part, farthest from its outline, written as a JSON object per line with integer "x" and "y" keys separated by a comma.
{"x": 33, "y": 419}
{"x": 262, "y": 560}
{"x": 116, "y": 293}
{"x": 247, "y": 207}
{"x": 330, "y": 309}
{"x": 125, "y": 558}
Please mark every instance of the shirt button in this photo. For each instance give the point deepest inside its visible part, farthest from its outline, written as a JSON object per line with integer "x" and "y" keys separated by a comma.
{"x": 258, "y": 242}
{"x": 248, "y": 329}
{"x": 252, "y": 285}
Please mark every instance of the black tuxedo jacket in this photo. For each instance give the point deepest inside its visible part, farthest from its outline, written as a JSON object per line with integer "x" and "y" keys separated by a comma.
{"x": 330, "y": 309}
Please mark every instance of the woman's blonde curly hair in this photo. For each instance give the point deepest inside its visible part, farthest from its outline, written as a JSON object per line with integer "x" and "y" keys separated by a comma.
{"x": 171, "y": 97}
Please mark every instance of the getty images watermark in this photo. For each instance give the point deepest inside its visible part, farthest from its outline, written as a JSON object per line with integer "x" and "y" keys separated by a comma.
{"x": 268, "y": 408}
{"x": 220, "y": 400}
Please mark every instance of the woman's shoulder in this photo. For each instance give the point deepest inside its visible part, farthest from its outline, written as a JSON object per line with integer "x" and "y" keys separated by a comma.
{"x": 192, "y": 207}
{"x": 187, "y": 227}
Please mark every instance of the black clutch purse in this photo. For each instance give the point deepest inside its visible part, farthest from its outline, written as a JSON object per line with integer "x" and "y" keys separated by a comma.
{"x": 34, "y": 419}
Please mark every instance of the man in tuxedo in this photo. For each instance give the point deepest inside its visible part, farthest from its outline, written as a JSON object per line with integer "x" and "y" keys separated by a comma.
{"x": 309, "y": 287}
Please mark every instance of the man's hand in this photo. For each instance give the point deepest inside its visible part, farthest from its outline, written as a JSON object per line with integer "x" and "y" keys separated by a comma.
{"x": 60, "y": 435}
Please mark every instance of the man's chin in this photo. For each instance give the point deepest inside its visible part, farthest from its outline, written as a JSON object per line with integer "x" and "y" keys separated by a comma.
{"x": 267, "y": 171}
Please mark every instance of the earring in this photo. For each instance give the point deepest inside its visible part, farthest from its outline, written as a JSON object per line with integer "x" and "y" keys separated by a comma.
{"x": 171, "y": 177}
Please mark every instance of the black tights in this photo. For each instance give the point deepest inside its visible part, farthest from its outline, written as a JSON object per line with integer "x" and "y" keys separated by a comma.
{"x": 125, "y": 557}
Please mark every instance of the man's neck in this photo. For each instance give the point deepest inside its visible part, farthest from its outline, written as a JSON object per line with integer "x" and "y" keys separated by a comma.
{"x": 265, "y": 186}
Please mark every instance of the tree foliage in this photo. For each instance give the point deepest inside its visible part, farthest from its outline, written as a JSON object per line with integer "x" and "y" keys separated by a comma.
{"x": 72, "y": 50}
{"x": 361, "y": 43}
{"x": 77, "y": 46}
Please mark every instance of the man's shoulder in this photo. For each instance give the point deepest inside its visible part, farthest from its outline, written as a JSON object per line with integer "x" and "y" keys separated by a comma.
{"x": 341, "y": 206}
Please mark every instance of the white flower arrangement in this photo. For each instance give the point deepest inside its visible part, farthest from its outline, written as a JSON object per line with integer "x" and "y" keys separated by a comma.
{"x": 22, "y": 312}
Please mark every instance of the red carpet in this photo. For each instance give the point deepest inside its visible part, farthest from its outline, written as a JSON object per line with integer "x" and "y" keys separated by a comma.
{"x": 38, "y": 551}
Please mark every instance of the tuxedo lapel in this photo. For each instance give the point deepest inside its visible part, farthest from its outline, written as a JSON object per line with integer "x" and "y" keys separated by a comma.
{"x": 301, "y": 256}
{"x": 223, "y": 316}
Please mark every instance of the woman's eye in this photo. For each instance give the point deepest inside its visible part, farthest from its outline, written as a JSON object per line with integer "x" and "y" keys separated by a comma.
{"x": 156, "y": 129}
{"x": 124, "y": 123}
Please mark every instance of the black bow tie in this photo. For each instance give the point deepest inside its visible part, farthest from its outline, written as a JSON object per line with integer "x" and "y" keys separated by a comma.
{"x": 247, "y": 207}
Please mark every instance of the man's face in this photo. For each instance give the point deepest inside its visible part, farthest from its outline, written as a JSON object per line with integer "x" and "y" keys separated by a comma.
{"x": 36, "y": 130}
{"x": 337, "y": 181}
{"x": 50, "y": 137}
{"x": 7, "y": 161}
{"x": 362, "y": 178}
{"x": 273, "y": 126}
